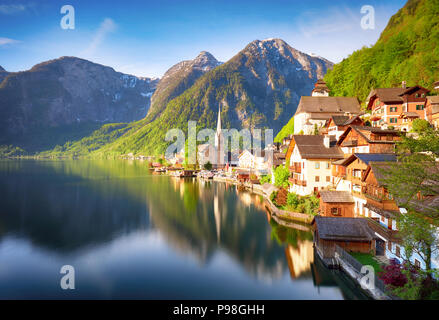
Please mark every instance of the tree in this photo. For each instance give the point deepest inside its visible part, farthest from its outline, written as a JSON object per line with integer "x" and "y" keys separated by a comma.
{"x": 208, "y": 166}
{"x": 412, "y": 181}
{"x": 420, "y": 125}
{"x": 281, "y": 175}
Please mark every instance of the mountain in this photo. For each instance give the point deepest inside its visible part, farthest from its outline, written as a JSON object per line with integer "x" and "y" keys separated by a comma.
{"x": 3, "y": 74}
{"x": 260, "y": 87}
{"x": 178, "y": 78}
{"x": 70, "y": 97}
{"x": 406, "y": 50}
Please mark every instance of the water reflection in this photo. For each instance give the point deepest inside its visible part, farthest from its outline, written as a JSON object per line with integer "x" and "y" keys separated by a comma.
{"x": 137, "y": 235}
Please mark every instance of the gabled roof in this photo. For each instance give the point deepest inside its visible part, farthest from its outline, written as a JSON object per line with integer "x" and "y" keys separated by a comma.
{"x": 312, "y": 147}
{"x": 339, "y": 120}
{"x": 365, "y": 132}
{"x": 344, "y": 120}
{"x": 391, "y": 95}
{"x": 368, "y": 157}
{"x": 336, "y": 105}
{"x": 409, "y": 90}
{"x": 336, "y": 196}
{"x": 343, "y": 229}
{"x": 387, "y": 95}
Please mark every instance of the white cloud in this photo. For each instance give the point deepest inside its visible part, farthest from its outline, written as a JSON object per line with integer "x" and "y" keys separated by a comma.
{"x": 337, "y": 20}
{"x": 6, "y": 41}
{"x": 12, "y": 8}
{"x": 107, "y": 26}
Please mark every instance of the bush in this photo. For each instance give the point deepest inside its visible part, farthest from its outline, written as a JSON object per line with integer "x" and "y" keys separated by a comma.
{"x": 265, "y": 179}
{"x": 292, "y": 200}
{"x": 281, "y": 197}
{"x": 281, "y": 175}
{"x": 420, "y": 125}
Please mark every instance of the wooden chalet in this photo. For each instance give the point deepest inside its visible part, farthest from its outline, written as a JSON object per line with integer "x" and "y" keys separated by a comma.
{"x": 357, "y": 139}
{"x": 336, "y": 204}
{"x": 387, "y": 104}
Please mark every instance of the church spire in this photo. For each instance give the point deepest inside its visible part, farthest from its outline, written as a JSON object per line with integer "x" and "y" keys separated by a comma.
{"x": 218, "y": 125}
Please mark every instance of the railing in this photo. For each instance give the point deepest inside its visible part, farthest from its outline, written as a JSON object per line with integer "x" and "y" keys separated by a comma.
{"x": 354, "y": 263}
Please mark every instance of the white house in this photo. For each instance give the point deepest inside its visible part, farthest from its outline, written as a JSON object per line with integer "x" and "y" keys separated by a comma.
{"x": 254, "y": 160}
{"x": 314, "y": 111}
{"x": 310, "y": 158}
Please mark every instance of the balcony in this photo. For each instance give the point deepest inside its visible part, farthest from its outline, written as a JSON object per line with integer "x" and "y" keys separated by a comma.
{"x": 296, "y": 167}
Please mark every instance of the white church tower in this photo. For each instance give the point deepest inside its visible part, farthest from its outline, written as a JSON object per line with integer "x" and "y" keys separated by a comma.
{"x": 219, "y": 142}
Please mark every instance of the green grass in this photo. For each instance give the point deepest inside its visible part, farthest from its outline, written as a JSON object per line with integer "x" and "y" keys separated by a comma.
{"x": 367, "y": 259}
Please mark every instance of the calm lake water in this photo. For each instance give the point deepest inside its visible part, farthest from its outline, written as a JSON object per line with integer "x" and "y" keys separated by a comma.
{"x": 133, "y": 235}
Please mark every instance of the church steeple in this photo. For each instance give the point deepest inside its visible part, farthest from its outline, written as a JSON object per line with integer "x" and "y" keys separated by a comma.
{"x": 218, "y": 124}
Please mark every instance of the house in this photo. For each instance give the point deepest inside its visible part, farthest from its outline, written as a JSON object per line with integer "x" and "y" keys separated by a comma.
{"x": 368, "y": 140}
{"x": 205, "y": 154}
{"x": 347, "y": 175}
{"x": 432, "y": 110}
{"x": 351, "y": 234}
{"x": 337, "y": 125}
{"x": 407, "y": 120}
{"x": 313, "y": 112}
{"x": 309, "y": 159}
{"x": 336, "y": 204}
{"x": 254, "y": 160}
{"x": 387, "y": 104}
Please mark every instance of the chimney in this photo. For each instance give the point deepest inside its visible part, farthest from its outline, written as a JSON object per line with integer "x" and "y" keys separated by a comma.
{"x": 326, "y": 141}
{"x": 404, "y": 85}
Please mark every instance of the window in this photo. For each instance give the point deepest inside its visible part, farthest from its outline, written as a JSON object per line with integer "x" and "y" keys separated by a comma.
{"x": 417, "y": 263}
{"x": 328, "y": 179}
{"x": 398, "y": 251}
{"x": 335, "y": 211}
{"x": 328, "y": 165}
{"x": 393, "y": 120}
{"x": 419, "y": 107}
{"x": 393, "y": 109}
{"x": 423, "y": 95}
{"x": 317, "y": 165}
{"x": 317, "y": 179}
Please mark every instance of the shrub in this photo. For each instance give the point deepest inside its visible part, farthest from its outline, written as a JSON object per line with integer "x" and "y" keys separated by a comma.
{"x": 281, "y": 197}
{"x": 281, "y": 175}
{"x": 292, "y": 200}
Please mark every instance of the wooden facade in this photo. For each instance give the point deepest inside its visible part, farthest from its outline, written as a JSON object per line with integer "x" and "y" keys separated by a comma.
{"x": 337, "y": 209}
{"x": 388, "y": 104}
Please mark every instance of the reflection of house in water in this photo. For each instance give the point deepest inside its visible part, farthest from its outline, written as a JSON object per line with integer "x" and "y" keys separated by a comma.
{"x": 300, "y": 258}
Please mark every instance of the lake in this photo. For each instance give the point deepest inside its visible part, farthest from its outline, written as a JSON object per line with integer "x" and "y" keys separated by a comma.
{"x": 130, "y": 234}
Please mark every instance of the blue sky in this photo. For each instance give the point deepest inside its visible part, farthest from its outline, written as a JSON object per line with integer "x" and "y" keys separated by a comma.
{"x": 146, "y": 37}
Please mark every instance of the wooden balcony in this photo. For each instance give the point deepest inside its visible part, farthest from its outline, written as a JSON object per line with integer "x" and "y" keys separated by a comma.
{"x": 296, "y": 167}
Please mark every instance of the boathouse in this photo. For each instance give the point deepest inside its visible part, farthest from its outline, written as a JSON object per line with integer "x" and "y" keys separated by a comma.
{"x": 351, "y": 234}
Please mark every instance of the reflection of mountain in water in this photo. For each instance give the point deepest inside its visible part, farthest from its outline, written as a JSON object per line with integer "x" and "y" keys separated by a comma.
{"x": 202, "y": 217}
{"x": 55, "y": 208}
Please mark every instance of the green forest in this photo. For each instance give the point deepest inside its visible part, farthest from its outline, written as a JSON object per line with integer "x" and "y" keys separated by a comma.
{"x": 407, "y": 50}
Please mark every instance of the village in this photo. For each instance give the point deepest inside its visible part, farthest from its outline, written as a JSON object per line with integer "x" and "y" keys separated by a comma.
{"x": 328, "y": 173}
